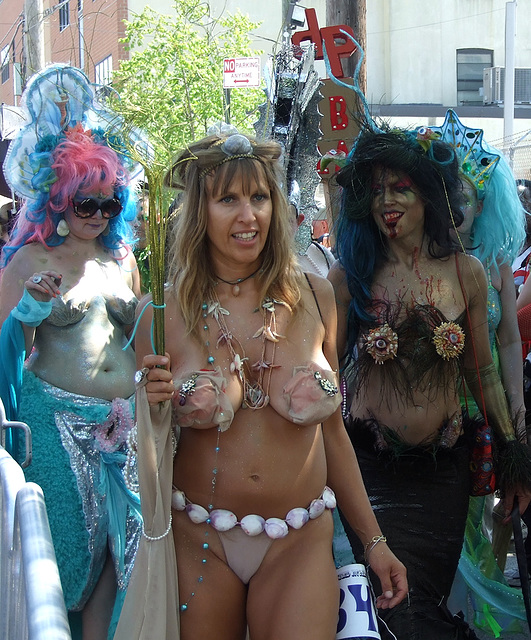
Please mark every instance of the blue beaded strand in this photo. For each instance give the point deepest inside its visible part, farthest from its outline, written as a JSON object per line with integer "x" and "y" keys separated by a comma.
{"x": 210, "y": 359}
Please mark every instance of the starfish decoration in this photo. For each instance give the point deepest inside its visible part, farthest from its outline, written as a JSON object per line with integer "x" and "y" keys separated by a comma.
{"x": 224, "y": 337}
{"x": 216, "y": 310}
{"x": 237, "y": 364}
{"x": 264, "y": 364}
{"x": 269, "y": 304}
{"x": 268, "y": 334}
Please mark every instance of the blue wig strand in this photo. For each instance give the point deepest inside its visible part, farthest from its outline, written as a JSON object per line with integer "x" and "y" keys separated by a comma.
{"x": 498, "y": 233}
{"x": 358, "y": 247}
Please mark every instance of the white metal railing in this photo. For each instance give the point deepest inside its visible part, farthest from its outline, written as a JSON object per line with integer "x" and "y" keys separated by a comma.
{"x": 6, "y": 424}
{"x": 11, "y": 481}
{"x": 42, "y": 597}
{"x": 31, "y": 597}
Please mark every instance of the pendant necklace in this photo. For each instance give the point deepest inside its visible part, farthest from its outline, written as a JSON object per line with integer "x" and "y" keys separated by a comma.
{"x": 236, "y": 283}
{"x": 255, "y": 393}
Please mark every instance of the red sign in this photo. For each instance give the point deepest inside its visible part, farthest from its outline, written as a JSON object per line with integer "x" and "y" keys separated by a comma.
{"x": 330, "y": 37}
{"x": 241, "y": 72}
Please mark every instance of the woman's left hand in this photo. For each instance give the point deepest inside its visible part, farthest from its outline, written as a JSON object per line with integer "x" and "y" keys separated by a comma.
{"x": 392, "y": 574}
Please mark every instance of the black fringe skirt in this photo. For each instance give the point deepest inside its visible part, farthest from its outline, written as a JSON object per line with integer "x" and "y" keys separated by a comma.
{"x": 420, "y": 497}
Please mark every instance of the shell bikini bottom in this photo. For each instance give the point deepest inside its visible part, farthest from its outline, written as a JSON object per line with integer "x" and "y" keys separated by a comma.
{"x": 247, "y": 541}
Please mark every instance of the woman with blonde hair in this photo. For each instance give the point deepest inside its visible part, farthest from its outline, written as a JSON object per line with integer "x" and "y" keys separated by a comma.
{"x": 251, "y": 376}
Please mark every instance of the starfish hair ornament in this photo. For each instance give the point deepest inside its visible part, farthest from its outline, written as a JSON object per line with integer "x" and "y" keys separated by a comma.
{"x": 475, "y": 161}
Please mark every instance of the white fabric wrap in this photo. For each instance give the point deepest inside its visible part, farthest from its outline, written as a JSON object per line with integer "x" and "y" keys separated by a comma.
{"x": 151, "y": 607}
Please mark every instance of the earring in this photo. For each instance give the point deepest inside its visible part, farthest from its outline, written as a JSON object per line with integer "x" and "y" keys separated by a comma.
{"x": 62, "y": 228}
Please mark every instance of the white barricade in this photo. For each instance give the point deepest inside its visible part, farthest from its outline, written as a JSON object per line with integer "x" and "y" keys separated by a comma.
{"x": 11, "y": 481}
{"x": 31, "y": 598}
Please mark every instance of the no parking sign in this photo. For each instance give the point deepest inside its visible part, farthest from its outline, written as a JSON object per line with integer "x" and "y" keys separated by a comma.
{"x": 241, "y": 72}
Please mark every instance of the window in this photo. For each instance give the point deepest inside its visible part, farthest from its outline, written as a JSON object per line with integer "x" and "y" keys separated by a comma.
{"x": 470, "y": 65}
{"x": 103, "y": 71}
{"x": 64, "y": 15}
{"x": 4, "y": 63}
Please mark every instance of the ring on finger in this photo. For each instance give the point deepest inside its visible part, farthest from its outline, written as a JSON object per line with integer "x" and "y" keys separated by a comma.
{"x": 141, "y": 375}
{"x": 36, "y": 278}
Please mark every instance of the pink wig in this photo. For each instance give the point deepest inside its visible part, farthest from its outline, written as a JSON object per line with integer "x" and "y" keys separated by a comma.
{"x": 82, "y": 166}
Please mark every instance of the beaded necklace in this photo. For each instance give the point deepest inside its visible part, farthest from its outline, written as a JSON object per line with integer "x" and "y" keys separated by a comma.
{"x": 255, "y": 393}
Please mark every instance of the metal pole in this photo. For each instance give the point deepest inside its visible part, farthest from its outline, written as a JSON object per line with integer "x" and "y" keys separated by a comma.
{"x": 353, "y": 13}
{"x": 34, "y": 38}
{"x": 508, "y": 98}
{"x": 80, "y": 22}
{"x": 227, "y": 105}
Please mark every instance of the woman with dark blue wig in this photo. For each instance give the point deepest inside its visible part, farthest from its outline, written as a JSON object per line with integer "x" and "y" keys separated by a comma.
{"x": 412, "y": 320}
{"x": 68, "y": 294}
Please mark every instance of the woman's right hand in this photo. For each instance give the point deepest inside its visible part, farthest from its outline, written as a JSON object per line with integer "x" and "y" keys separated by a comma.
{"x": 159, "y": 385}
{"x": 44, "y": 285}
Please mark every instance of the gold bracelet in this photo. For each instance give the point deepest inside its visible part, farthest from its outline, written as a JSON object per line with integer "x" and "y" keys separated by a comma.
{"x": 372, "y": 543}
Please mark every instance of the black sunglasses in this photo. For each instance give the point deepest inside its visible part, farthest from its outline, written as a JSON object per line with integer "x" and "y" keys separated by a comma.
{"x": 86, "y": 208}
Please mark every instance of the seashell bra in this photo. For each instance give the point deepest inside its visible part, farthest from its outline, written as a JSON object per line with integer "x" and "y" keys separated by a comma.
{"x": 73, "y": 310}
{"x": 310, "y": 397}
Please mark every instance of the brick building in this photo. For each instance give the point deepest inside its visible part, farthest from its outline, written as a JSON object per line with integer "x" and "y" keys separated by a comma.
{"x": 83, "y": 33}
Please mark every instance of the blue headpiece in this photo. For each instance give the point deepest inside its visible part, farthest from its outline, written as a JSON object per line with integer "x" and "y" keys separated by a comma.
{"x": 56, "y": 100}
{"x": 475, "y": 161}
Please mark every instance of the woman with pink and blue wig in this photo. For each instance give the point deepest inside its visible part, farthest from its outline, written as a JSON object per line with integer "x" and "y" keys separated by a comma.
{"x": 68, "y": 294}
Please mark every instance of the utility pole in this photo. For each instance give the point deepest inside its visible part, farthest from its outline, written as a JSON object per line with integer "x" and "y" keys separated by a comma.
{"x": 354, "y": 14}
{"x": 81, "y": 28}
{"x": 508, "y": 97}
{"x": 33, "y": 37}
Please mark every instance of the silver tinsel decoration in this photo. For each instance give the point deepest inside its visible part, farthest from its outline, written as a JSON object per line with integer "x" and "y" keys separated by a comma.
{"x": 291, "y": 117}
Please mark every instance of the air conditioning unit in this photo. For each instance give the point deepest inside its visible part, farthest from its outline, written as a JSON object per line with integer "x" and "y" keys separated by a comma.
{"x": 494, "y": 85}
{"x": 522, "y": 86}
{"x": 493, "y": 78}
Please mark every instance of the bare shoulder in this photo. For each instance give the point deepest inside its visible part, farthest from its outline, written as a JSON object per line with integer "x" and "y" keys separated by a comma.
{"x": 143, "y": 303}
{"x": 174, "y": 328}
{"x": 469, "y": 264}
{"x": 473, "y": 277}
{"x": 506, "y": 272}
{"x": 338, "y": 277}
{"x": 26, "y": 261}
{"x": 171, "y": 307}
{"x": 129, "y": 260}
{"x": 321, "y": 287}
{"x": 318, "y": 283}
